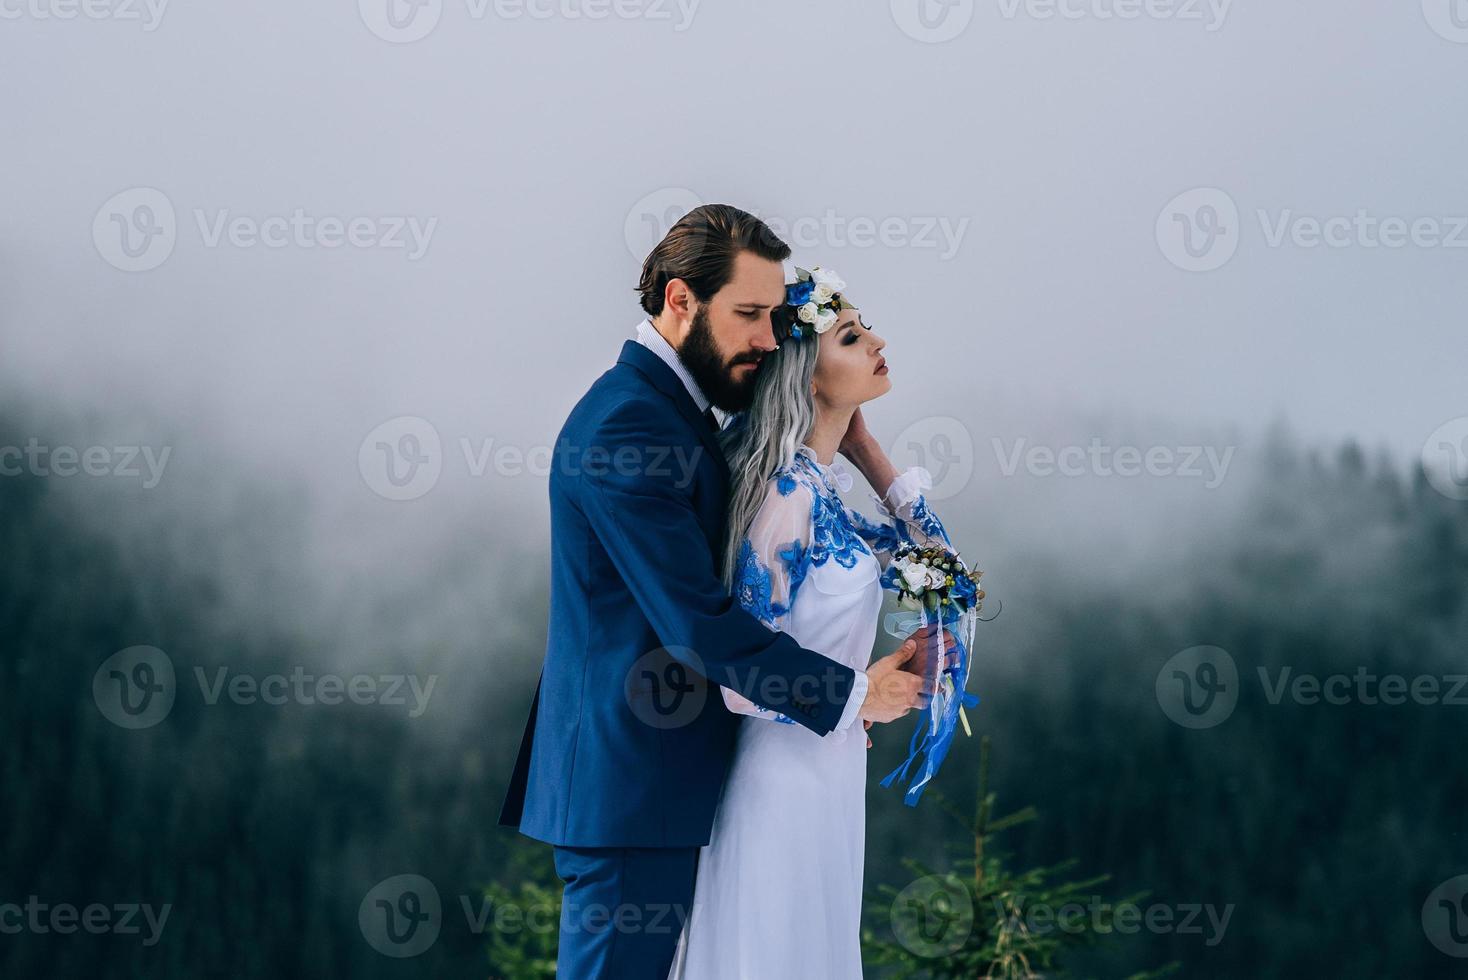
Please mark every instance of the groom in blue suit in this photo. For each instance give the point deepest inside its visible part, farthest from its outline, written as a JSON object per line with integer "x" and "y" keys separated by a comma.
{"x": 628, "y": 741}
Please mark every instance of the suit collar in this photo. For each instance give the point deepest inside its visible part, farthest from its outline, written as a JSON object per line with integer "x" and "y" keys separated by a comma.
{"x": 661, "y": 376}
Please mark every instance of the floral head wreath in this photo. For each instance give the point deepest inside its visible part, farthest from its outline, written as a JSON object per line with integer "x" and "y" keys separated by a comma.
{"x": 813, "y": 304}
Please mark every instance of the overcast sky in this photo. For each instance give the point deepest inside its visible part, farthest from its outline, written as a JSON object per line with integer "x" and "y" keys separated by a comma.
{"x": 284, "y": 224}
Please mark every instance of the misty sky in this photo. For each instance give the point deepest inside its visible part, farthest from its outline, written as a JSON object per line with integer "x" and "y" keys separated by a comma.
{"x": 455, "y": 223}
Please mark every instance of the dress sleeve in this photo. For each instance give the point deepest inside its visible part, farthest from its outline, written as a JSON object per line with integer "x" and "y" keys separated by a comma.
{"x": 772, "y": 562}
{"x": 904, "y": 517}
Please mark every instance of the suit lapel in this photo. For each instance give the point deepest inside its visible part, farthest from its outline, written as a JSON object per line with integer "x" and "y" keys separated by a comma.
{"x": 663, "y": 379}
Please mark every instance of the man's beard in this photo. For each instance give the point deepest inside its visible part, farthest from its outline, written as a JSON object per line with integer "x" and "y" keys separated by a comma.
{"x": 700, "y": 355}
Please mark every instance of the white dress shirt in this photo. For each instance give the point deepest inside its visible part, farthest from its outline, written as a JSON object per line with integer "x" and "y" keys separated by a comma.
{"x": 648, "y": 336}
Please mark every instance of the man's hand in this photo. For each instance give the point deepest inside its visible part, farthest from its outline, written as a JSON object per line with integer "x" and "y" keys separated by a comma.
{"x": 892, "y": 691}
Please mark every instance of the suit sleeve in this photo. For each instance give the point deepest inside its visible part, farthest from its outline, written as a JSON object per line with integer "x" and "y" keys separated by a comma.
{"x": 644, "y": 517}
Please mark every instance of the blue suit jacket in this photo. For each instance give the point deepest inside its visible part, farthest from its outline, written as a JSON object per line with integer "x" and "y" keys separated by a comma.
{"x": 628, "y": 742}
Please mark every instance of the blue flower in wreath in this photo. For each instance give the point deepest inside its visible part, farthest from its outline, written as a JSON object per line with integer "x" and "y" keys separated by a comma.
{"x": 798, "y": 293}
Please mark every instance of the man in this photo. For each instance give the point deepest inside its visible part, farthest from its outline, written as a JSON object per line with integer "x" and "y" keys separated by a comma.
{"x": 625, "y": 751}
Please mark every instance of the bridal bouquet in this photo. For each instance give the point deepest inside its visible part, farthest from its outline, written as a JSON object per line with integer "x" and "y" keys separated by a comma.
{"x": 937, "y": 589}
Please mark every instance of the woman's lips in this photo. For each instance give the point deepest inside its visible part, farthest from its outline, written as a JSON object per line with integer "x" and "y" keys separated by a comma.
{"x": 881, "y": 367}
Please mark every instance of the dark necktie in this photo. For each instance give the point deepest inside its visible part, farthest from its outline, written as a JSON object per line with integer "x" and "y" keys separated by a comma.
{"x": 713, "y": 420}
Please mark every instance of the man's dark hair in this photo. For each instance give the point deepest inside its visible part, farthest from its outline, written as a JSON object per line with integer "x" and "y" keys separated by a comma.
{"x": 700, "y": 249}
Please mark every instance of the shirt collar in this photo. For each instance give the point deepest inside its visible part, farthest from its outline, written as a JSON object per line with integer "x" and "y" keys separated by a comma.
{"x": 648, "y": 336}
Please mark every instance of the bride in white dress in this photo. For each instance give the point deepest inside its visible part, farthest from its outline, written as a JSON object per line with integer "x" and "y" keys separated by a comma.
{"x": 779, "y": 885}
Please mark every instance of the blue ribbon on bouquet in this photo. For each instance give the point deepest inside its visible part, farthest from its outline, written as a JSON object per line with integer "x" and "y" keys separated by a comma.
{"x": 937, "y": 723}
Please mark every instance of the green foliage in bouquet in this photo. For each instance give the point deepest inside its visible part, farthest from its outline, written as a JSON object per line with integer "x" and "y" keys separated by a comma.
{"x": 974, "y": 920}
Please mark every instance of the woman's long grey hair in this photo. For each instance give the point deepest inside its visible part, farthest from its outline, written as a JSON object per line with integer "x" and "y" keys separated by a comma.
{"x": 760, "y": 440}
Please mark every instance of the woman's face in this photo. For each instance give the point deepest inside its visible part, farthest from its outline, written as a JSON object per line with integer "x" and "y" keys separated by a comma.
{"x": 850, "y": 368}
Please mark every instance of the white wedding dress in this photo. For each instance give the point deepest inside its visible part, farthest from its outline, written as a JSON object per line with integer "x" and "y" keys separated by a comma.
{"x": 779, "y": 887}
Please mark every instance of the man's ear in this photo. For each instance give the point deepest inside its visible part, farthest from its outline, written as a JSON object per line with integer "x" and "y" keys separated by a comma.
{"x": 679, "y": 299}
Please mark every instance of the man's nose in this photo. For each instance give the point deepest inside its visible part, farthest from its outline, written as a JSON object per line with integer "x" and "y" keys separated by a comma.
{"x": 764, "y": 336}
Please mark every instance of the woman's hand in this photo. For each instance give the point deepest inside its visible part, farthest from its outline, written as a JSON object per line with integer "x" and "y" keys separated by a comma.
{"x": 858, "y": 437}
{"x": 861, "y": 447}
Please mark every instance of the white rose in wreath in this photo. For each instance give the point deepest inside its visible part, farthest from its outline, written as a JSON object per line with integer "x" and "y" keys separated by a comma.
{"x": 827, "y": 279}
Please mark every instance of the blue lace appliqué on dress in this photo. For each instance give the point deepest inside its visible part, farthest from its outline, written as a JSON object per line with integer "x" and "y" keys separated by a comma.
{"x": 753, "y": 588}
{"x": 831, "y": 532}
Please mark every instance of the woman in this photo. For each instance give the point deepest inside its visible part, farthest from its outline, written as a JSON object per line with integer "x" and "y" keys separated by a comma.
{"x": 779, "y": 885}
